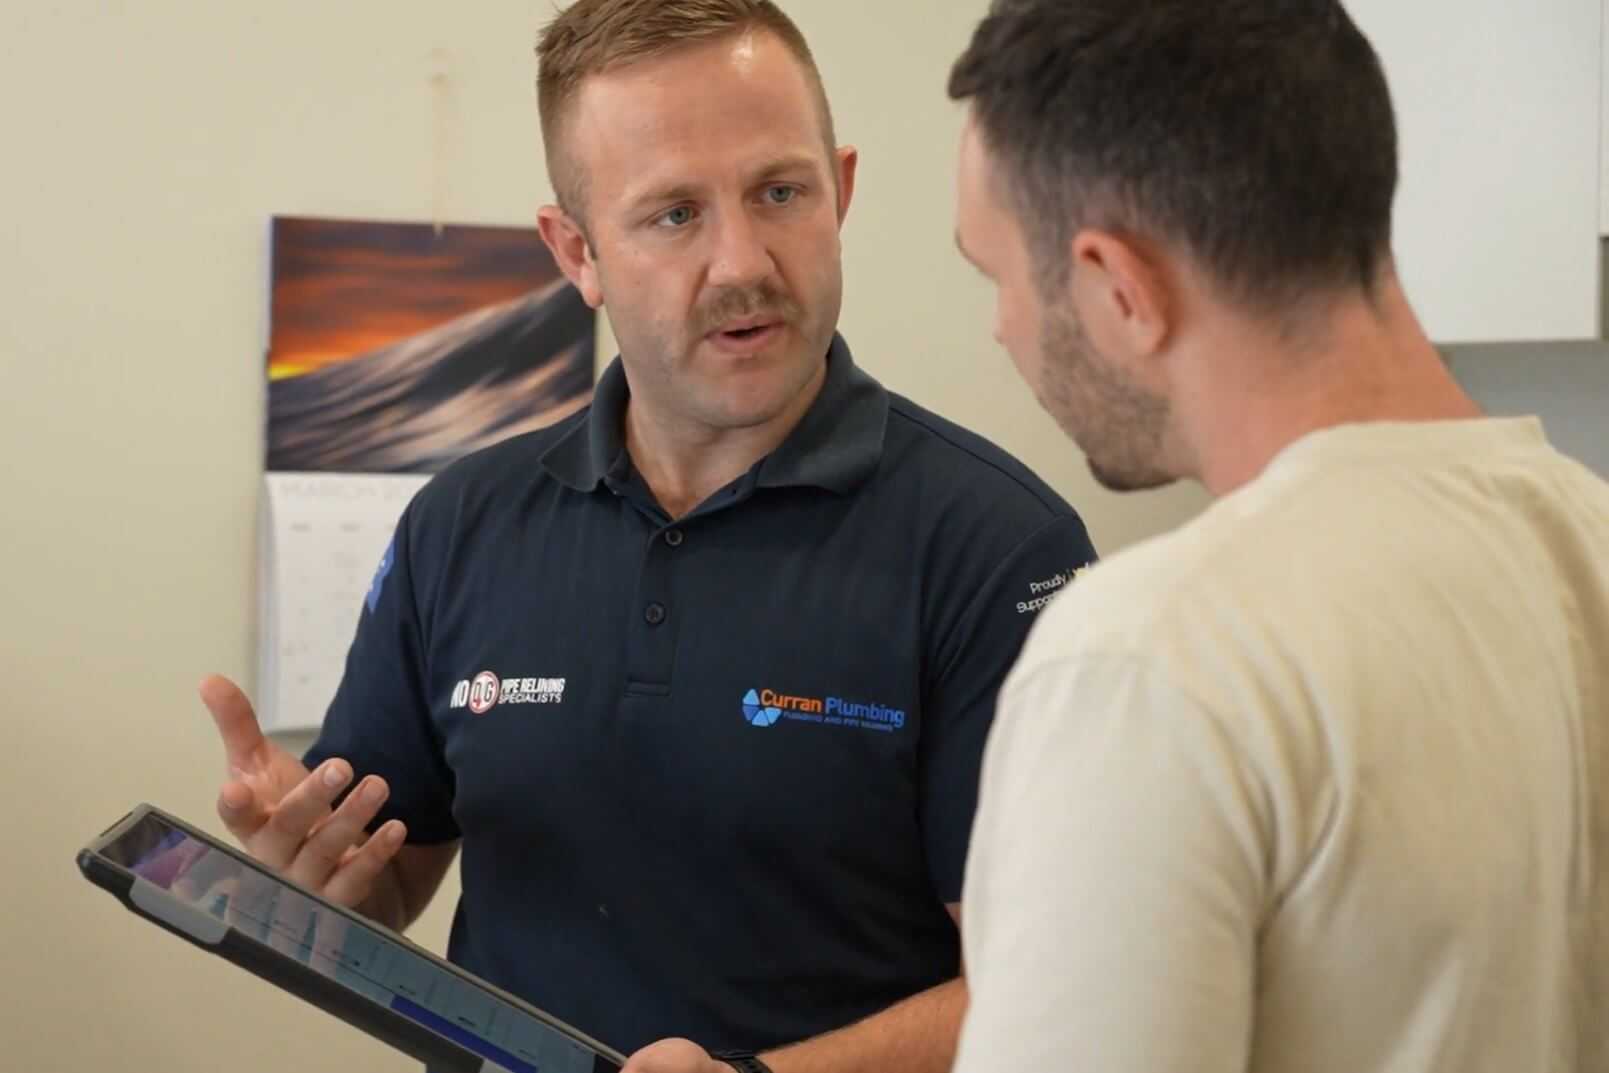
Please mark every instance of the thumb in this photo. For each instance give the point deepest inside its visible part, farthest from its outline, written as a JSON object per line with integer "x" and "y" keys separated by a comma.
{"x": 235, "y": 719}
{"x": 670, "y": 1056}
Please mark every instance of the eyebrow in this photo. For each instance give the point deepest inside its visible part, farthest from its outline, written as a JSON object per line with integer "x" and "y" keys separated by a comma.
{"x": 786, "y": 165}
{"x": 682, "y": 191}
{"x": 659, "y": 195}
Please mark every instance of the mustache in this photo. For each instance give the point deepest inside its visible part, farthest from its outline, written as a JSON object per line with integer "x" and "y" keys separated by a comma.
{"x": 733, "y": 303}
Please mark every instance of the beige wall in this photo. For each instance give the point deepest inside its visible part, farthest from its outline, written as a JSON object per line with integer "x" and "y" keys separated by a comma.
{"x": 145, "y": 150}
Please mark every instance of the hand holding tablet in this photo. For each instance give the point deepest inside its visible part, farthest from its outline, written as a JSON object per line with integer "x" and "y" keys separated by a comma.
{"x": 223, "y": 901}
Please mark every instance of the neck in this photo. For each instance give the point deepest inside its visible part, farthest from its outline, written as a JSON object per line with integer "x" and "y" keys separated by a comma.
{"x": 1252, "y": 392}
{"x": 684, "y": 462}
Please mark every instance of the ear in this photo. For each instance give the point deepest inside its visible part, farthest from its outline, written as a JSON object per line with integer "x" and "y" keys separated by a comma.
{"x": 1121, "y": 294}
{"x": 847, "y": 159}
{"x": 570, "y": 248}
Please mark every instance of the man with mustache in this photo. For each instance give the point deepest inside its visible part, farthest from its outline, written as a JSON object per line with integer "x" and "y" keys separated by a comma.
{"x": 1316, "y": 783}
{"x": 698, "y": 680}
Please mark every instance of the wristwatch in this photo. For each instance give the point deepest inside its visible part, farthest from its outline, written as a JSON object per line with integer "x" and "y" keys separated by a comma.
{"x": 742, "y": 1061}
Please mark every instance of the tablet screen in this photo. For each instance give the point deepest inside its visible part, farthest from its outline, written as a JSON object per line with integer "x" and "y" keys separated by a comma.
{"x": 360, "y": 958}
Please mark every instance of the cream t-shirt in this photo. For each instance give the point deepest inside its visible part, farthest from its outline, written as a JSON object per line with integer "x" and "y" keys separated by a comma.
{"x": 1316, "y": 783}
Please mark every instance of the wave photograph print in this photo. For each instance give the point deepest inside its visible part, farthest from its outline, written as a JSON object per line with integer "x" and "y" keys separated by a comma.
{"x": 397, "y": 347}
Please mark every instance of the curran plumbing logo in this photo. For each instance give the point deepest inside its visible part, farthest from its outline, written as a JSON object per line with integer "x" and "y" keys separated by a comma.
{"x": 767, "y": 707}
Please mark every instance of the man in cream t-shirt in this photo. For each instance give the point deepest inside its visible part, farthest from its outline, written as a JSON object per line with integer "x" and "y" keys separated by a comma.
{"x": 1315, "y": 783}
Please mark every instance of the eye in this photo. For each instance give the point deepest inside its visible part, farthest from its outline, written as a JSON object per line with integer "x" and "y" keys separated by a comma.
{"x": 780, "y": 195}
{"x": 675, "y": 219}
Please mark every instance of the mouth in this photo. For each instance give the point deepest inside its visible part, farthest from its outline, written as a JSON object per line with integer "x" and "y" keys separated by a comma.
{"x": 746, "y": 327}
{"x": 747, "y": 334}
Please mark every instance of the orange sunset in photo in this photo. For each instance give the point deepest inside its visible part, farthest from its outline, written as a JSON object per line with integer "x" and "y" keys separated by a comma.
{"x": 345, "y": 288}
{"x": 395, "y": 348}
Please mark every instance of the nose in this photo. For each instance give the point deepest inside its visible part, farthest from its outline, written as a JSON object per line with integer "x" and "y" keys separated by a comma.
{"x": 740, "y": 257}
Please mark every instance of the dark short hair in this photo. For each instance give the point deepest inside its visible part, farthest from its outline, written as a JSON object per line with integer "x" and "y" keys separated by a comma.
{"x": 1257, "y": 135}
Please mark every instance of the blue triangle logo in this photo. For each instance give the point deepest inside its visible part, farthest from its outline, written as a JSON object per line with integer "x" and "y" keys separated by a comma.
{"x": 756, "y": 713}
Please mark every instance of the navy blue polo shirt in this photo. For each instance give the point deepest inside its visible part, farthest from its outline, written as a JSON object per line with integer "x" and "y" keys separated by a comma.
{"x": 715, "y": 775}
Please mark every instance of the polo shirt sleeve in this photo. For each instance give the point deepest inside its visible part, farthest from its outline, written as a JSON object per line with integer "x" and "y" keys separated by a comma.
{"x": 380, "y": 720}
{"x": 972, "y": 658}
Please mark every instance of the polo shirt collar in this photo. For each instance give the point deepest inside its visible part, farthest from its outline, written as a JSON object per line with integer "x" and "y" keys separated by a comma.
{"x": 837, "y": 444}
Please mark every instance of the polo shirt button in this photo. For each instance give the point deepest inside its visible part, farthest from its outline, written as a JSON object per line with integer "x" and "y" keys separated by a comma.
{"x": 674, "y": 537}
{"x": 654, "y": 614}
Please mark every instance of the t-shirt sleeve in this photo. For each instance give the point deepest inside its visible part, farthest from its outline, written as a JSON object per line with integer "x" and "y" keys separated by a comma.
{"x": 380, "y": 720}
{"x": 971, "y": 662}
{"x": 1117, "y": 880}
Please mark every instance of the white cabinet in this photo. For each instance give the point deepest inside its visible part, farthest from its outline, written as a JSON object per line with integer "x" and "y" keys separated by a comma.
{"x": 1603, "y": 140}
{"x": 1498, "y": 114}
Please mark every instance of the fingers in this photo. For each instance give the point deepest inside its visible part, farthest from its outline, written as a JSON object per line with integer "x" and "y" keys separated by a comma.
{"x": 300, "y": 835}
{"x": 235, "y": 719}
{"x": 671, "y": 1056}
{"x": 354, "y": 879}
{"x": 279, "y": 839}
{"x": 241, "y": 810}
{"x": 328, "y": 840}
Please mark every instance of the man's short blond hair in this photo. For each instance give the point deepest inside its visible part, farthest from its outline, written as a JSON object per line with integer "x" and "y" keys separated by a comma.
{"x": 591, "y": 37}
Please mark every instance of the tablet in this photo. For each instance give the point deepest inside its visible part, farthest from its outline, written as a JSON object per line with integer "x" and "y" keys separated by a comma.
{"x": 207, "y": 892}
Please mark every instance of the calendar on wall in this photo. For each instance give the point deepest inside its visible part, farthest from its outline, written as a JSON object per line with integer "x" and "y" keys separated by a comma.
{"x": 323, "y": 536}
{"x": 394, "y": 349}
